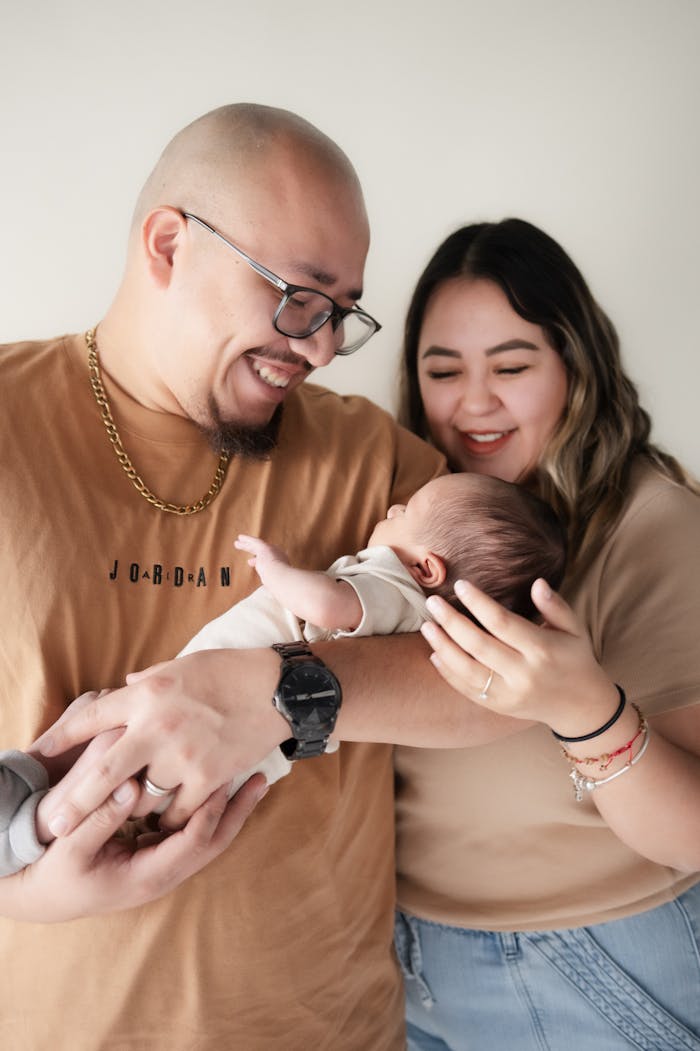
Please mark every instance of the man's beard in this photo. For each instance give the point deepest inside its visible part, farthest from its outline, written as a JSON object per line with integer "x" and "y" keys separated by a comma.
{"x": 237, "y": 439}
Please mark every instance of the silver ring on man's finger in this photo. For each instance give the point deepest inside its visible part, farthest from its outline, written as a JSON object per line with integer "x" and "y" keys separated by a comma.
{"x": 155, "y": 790}
{"x": 484, "y": 693}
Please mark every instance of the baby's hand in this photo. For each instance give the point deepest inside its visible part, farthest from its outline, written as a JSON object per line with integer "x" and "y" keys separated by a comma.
{"x": 265, "y": 556}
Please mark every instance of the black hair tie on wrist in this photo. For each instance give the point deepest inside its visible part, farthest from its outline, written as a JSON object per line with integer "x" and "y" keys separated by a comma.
{"x": 596, "y": 733}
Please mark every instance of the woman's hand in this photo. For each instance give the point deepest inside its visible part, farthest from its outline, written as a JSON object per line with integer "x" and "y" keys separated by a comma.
{"x": 191, "y": 724}
{"x": 549, "y": 673}
{"x": 543, "y": 672}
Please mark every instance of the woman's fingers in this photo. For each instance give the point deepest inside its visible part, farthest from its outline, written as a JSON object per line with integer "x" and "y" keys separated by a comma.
{"x": 507, "y": 663}
{"x": 239, "y": 809}
{"x": 556, "y": 612}
{"x": 464, "y": 672}
{"x": 455, "y": 666}
{"x": 489, "y": 649}
{"x": 210, "y": 830}
{"x": 511, "y": 629}
{"x": 529, "y": 661}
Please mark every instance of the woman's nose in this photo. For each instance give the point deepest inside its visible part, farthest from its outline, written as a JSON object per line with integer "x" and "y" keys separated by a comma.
{"x": 477, "y": 398}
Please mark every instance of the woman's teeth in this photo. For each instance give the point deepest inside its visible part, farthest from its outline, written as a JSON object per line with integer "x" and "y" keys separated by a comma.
{"x": 491, "y": 437}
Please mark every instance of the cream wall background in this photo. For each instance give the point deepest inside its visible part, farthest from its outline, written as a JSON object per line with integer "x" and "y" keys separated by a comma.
{"x": 580, "y": 117}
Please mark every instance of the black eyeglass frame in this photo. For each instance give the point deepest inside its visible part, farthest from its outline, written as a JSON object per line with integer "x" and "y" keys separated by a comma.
{"x": 336, "y": 315}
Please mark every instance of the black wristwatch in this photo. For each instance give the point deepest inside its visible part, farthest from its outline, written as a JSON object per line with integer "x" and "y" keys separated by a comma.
{"x": 308, "y": 695}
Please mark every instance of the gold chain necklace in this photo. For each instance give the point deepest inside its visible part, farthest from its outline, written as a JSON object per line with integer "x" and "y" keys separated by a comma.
{"x": 129, "y": 470}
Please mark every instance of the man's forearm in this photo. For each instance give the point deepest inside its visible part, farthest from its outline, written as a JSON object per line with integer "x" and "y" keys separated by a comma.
{"x": 391, "y": 693}
{"x": 198, "y": 720}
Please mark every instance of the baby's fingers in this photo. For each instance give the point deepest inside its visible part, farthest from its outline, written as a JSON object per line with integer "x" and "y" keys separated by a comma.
{"x": 248, "y": 543}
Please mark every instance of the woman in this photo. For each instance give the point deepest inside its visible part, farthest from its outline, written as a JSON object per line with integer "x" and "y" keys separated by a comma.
{"x": 538, "y": 911}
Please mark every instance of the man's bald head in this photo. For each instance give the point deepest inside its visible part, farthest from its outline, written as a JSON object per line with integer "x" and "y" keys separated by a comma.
{"x": 221, "y": 154}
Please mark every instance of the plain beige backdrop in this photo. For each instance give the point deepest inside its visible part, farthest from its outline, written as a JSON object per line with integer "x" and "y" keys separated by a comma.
{"x": 581, "y": 117}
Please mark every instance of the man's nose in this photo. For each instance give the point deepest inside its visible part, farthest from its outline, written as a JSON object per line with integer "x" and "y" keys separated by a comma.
{"x": 319, "y": 348}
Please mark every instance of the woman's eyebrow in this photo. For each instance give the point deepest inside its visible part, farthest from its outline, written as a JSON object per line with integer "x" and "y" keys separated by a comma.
{"x": 511, "y": 344}
{"x": 499, "y": 348}
{"x": 440, "y": 352}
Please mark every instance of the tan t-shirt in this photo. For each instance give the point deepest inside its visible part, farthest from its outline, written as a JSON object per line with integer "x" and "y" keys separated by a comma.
{"x": 285, "y": 940}
{"x": 492, "y": 838}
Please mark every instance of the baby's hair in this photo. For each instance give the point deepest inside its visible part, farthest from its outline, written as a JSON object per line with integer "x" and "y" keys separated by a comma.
{"x": 500, "y": 537}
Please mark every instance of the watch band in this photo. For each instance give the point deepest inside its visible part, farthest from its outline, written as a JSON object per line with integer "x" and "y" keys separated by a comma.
{"x": 292, "y": 651}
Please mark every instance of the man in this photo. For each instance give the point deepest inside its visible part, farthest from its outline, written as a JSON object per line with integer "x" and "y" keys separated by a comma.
{"x": 118, "y": 523}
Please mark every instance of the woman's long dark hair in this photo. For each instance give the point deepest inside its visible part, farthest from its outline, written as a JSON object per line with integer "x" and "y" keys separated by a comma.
{"x": 584, "y": 470}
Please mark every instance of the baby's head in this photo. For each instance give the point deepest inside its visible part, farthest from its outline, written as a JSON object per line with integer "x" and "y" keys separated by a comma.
{"x": 473, "y": 527}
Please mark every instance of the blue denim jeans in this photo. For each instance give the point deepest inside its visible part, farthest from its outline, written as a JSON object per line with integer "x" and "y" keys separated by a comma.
{"x": 631, "y": 983}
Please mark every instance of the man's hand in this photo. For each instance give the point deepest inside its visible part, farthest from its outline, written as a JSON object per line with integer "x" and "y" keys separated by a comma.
{"x": 50, "y": 805}
{"x": 58, "y": 766}
{"x": 191, "y": 724}
{"x": 89, "y": 872}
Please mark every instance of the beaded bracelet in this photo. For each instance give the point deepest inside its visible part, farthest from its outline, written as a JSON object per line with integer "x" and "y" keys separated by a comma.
{"x": 606, "y": 726}
{"x": 607, "y": 757}
{"x": 589, "y": 784}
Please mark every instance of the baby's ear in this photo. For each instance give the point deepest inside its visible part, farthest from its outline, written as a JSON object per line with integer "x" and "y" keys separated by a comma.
{"x": 430, "y": 571}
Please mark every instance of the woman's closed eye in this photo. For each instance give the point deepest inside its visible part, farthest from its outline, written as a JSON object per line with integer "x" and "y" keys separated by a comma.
{"x": 443, "y": 374}
{"x": 512, "y": 370}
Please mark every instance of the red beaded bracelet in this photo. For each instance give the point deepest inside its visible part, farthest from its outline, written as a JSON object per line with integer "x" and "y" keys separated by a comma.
{"x": 607, "y": 757}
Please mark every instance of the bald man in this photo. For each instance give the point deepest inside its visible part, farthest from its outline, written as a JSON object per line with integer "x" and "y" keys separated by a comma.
{"x": 133, "y": 454}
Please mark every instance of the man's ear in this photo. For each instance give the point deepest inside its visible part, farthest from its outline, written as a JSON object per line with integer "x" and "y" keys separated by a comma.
{"x": 429, "y": 571}
{"x": 161, "y": 231}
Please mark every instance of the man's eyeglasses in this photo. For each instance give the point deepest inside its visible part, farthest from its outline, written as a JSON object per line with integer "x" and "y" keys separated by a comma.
{"x": 302, "y": 311}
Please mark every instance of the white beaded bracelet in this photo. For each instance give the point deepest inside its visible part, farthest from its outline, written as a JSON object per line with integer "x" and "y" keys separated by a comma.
{"x": 589, "y": 784}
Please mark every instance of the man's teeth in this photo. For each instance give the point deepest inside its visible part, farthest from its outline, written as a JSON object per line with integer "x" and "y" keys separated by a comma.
{"x": 492, "y": 437}
{"x": 269, "y": 375}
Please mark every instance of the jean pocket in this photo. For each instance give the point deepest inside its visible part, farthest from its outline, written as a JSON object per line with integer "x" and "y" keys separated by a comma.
{"x": 618, "y": 997}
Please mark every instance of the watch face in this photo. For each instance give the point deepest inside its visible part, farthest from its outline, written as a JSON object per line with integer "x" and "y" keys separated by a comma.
{"x": 308, "y": 683}
{"x": 309, "y": 695}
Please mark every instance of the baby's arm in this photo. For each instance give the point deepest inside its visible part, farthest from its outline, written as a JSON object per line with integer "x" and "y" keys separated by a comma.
{"x": 310, "y": 595}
